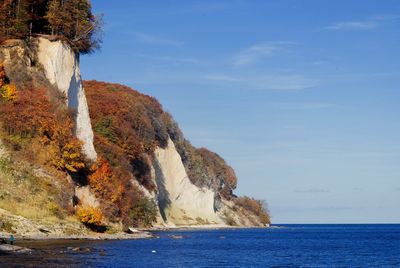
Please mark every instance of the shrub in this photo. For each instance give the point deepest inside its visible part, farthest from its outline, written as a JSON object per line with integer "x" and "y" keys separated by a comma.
{"x": 230, "y": 220}
{"x": 90, "y": 216}
{"x": 144, "y": 212}
{"x": 6, "y": 225}
{"x": 256, "y": 207}
{"x": 9, "y": 93}
{"x": 103, "y": 181}
{"x": 70, "y": 158}
{"x": 32, "y": 122}
{"x": 127, "y": 126}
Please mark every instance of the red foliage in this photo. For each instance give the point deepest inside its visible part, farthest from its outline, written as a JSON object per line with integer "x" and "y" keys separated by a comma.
{"x": 33, "y": 118}
{"x": 127, "y": 125}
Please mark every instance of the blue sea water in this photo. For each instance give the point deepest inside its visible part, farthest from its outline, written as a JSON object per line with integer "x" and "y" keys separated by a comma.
{"x": 290, "y": 246}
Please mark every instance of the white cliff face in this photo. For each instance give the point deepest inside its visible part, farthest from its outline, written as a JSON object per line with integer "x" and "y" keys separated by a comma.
{"x": 180, "y": 201}
{"x": 61, "y": 67}
{"x": 86, "y": 196}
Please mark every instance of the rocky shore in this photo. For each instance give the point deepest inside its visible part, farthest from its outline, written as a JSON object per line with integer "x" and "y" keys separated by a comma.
{"x": 57, "y": 251}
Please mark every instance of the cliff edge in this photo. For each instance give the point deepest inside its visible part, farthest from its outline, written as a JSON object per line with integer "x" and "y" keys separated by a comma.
{"x": 100, "y": 156}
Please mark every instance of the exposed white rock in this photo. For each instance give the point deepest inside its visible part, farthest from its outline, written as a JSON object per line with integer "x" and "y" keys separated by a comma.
{"x": 180, "y": 201}
{"x": 61, "y": 67}
{"x": 86, "y": 197}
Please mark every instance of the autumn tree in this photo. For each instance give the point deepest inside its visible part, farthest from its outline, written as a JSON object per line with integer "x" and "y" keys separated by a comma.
{"x": 8, "y": 93}
{"x": 90, "y": 216}
{"x": 71, "y": 21}
{"x": 74, "y": 22}
{"x": 14, "y": 19}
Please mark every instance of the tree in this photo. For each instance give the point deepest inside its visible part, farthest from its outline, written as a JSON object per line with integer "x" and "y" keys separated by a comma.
{"x": 71, "y": 21}
{"x": 70, "y": 158}
{"x": 9, "y": 93}
{"x": 90, "y": 216}
{"x": 74, "y": 22}
{"x": 54, "y": 16}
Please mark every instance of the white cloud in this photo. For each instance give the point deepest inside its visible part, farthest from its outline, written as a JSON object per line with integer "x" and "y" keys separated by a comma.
{"x": 257, "y": 52}
{"x": 285, "y": 82}
{"x": 265, "y": 81}
{"x": 303, "y": 106}
{"x": 369, "y": 24}
{"x": 353, "y": 25}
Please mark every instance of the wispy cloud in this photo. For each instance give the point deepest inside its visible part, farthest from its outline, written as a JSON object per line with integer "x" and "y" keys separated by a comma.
{"x": 312, "y": 190}
{"x": 265, "y": 81}
{"x": 156, "y": 40}
{"x": 397, "y": 189}
{"x": 222, "y": 77}
{"x": 353, "y": 25}
{"x": 368, "y": 24}
{"x": 303, "y": 106}
{"x": 258, "y": 52}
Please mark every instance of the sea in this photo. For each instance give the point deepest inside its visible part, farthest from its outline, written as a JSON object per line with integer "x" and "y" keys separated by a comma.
{"x": 311, "y": 245}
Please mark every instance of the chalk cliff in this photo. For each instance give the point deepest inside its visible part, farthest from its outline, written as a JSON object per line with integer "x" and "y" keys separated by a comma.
{"x": 180, "y": 201}
{"x": 61, "y": 67}
{"x": 44, "y": 62}
{"x": 136, "y": 155}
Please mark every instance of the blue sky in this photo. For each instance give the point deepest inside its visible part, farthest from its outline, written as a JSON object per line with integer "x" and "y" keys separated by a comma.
{"x": 300, "y": 97}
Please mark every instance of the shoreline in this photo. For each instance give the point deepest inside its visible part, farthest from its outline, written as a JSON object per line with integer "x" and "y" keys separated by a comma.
{"x": 145, "y": 233}
{"x": 68, "y": 251}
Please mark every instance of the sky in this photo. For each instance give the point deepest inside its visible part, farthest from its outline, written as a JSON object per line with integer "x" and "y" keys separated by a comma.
{"x": 301, "y": 98}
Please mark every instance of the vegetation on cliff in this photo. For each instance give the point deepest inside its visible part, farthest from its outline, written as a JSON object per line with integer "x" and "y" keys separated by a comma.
{"x": 69, "y": 20}
{"x": 37, "y": 129}
{"x": 128, "y": 126}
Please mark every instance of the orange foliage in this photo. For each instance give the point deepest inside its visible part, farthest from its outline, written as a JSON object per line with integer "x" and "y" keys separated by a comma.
{"x": 33, "y": 118}
{"x": 127, "y": 125}
{"x": 104, "y": 182}
{"x": 90, "y": 216}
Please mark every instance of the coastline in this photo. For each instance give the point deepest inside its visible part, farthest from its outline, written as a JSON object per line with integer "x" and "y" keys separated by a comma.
{"x": 46, "y": 250}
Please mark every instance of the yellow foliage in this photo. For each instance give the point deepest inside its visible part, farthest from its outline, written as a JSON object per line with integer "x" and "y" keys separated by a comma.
{"x": 71, "y": 158}
{"x": 9, "y": 92}
{"x": 90, "y": 215}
